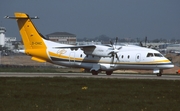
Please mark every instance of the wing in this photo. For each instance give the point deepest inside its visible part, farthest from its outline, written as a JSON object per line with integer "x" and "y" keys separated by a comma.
{"x": 83, "y": 47}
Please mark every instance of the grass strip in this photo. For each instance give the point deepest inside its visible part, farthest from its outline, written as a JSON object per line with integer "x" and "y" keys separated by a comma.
{"x": 88, "y": 94}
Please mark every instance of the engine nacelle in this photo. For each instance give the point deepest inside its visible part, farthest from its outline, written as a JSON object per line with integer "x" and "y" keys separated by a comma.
{"x": 99, "y": 50}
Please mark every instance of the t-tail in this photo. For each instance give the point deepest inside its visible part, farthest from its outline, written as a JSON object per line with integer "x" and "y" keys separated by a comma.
{"x": 34, "y": 44}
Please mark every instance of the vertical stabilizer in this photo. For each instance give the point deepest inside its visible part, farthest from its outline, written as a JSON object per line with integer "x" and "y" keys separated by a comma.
{"x": 33, "y": 41}
{"x": 30, "y": 36}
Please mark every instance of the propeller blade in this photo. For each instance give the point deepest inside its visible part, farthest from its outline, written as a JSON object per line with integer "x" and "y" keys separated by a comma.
{"x": 111, "y": 42}
{"x": 116, "y": 40}
{"x": 119, "y": 48}
{"x": 117, "y": 57}
{"x": 141, "y": 44}
{"x": 110, "y": 53}
{"x": 145, "y": 40}
{"x": 112, "y": 59}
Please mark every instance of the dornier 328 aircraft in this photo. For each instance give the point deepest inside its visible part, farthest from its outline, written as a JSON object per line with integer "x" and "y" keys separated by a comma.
{"x": 94, "y": 58}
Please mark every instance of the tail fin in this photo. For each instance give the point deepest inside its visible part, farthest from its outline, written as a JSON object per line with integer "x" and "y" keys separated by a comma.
{"x": 34, "y": 43}
{"x": 30, "y": 36}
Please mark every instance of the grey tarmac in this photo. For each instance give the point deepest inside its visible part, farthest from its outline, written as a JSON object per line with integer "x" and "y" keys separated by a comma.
{"x": 89, "y": 75}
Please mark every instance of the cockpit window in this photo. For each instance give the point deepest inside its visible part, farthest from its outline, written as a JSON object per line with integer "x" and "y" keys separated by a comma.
{"x": 154, "y": 55}
{"x": 158, "y": 55}
{"x": 150, "y": 55}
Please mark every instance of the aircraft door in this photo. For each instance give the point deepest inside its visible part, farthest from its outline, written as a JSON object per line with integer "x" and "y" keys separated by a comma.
{"x": 72, "y": 58}
{"x": 138, "y": 57}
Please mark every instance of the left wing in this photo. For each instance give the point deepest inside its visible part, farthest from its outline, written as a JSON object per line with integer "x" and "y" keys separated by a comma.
{"x": 96, "y": 50}
{"x": 76, "y": 47}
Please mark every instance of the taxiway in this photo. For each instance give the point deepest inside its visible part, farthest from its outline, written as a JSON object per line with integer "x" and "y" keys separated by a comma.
{"x": 88, "y": 75}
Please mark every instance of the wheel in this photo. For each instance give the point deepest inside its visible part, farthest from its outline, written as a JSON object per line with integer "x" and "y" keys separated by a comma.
{"x": 109, "y": 72}
{"x": 94, "y": 72}
{"x": 160, "y": 73}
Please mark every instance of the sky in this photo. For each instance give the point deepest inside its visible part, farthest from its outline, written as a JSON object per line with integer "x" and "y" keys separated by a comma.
{"x": 92, "y": 18}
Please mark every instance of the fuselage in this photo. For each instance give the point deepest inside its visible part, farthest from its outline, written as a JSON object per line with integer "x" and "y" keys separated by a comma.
{"x": 129, "y": 57}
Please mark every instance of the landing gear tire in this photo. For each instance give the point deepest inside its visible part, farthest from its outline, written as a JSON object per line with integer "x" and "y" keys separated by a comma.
{"x": 109, "y": 72}
{"x": 94, "y": 72}
{"x": 159, "y": 74}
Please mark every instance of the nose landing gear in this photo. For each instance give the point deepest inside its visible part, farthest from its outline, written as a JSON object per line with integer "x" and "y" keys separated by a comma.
{"x": 160, "y": 73}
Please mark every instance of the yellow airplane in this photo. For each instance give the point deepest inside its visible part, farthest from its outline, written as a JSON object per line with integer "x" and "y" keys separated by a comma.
{"x": 94, "y": 58}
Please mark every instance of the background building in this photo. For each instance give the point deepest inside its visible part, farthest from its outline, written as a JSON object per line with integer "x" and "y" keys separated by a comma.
{"x": 62, "y": 37}
{"x": 2, "y": 36}
{"x": 6, "y": 43}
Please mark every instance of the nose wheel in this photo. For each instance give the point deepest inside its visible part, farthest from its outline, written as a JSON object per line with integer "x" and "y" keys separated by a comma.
{"x": 160, "y": 73}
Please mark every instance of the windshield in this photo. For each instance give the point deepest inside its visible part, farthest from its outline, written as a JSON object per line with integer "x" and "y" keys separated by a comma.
{"x": 158, "y": 55}
{"x": 154, "y": 55}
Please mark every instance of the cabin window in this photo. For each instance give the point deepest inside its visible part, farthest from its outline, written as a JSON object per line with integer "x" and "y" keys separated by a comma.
{"x": 158, "y": 55}
{"x": 138, "y": 57}
{"x": 149, "y": 55}
{"x": 128, "y": 56}
{"x": 81, "y": 55}
{"x": 122, "y": 56}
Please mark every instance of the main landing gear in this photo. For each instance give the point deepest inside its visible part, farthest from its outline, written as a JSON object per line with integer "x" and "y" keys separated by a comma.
{"x": 109, "y": 72}
{"x": 94, "y": 72}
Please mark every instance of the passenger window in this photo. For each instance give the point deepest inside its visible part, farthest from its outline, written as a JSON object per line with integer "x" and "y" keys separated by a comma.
{"x": 137, "y": 57}
{"x": 149, "y": 55}
{"x": 128, "y": 56}
{"x": 81, "y": 55}
{"x": 122, "y": 56}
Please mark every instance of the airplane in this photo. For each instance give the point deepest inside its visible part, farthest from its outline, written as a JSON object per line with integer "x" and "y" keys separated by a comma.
{"x": 95, "y": 58}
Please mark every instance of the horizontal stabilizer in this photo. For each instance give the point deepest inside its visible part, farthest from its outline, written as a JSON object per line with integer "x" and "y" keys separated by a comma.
{"x": 21, "y": 17}
{"x": 21, "y": 51}
{"x": 38, "y": 59}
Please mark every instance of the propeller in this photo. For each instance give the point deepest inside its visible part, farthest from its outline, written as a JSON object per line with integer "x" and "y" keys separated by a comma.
{"x": 145, "y": 41}
{"x": 141, "y": 44}
{"x": 115, "y": 50}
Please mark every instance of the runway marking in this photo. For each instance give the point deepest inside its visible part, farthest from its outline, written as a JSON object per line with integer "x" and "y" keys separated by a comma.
{"x": 88, "y": 75}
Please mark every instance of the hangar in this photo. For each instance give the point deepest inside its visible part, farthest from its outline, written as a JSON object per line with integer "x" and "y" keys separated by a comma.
{"x": 62, "y": 37}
